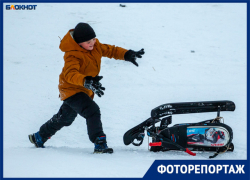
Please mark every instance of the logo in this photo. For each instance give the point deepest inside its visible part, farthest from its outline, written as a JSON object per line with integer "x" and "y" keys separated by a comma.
{"x": 201, "y": 169}
{"x": 191, "y": 130}
{"x": 21, "y": 7}
{"x": 165, "y": 107}
{"x": 166, "y": 113}
{"x": 222, "y": 144}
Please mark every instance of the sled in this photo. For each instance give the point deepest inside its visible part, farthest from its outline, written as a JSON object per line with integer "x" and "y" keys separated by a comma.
{"x": 208, "y": 135}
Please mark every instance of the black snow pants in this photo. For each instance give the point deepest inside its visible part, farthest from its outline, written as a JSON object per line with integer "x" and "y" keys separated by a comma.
{"x": 81, "y": 104}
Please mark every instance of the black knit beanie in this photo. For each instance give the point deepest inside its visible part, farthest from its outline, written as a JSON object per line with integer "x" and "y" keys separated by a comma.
{"x": 83, "y": 32}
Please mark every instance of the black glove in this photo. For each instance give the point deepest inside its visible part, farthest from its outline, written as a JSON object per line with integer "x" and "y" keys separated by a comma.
{"x": 93, "y": 84}
{"x": 131, "y": 56}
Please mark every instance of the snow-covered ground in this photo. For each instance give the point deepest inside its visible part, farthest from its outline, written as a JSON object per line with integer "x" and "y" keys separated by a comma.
{"x": 168, "y": 72}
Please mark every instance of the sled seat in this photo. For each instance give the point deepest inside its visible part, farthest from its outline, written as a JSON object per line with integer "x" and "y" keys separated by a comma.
{"x": 192, "y": 107}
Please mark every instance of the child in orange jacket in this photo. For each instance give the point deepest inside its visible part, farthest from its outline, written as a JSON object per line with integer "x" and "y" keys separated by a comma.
{"x": 78, "y": 83}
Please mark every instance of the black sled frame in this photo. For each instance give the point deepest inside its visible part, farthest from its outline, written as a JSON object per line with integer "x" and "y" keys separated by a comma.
{"x": 164, "y": 114}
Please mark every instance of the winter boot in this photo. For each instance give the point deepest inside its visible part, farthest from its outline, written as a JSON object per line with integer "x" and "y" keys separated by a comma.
{"x": 101, "y": 145}
{"x": 37, "y": 140}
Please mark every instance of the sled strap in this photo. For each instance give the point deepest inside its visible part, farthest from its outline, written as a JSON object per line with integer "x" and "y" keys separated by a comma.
{"x": 190, "y": 152}
{"x": 155, "y": 144}
{"x": 178, "y": 146}
{"x": 175, "y": 144}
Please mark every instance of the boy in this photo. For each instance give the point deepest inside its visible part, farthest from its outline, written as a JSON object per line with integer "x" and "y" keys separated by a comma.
{"x": 78, "y": 83}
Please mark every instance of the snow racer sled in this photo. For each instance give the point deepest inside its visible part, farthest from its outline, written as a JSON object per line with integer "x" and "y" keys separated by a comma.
{"x": 208, "y": 135}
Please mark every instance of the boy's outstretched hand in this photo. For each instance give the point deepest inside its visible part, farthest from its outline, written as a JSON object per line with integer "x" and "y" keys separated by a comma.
{"x": 93, "y": 84}
{"x": 131, "y": 56}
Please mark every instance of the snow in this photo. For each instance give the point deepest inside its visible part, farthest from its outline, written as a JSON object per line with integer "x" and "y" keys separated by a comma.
{"x": 193, "y": 52}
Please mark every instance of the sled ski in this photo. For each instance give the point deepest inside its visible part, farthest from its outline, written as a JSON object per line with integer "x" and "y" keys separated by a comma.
{"x": 208, "y": 135}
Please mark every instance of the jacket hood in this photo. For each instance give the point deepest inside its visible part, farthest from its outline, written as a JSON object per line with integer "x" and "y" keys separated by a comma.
{"x": 68, "y": 43}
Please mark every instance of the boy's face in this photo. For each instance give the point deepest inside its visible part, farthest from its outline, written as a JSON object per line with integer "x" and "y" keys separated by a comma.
{"x": 88, "y": 45}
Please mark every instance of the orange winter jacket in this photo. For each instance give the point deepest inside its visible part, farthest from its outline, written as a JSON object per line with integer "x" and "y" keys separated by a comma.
{"x": 79, "y": 63}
